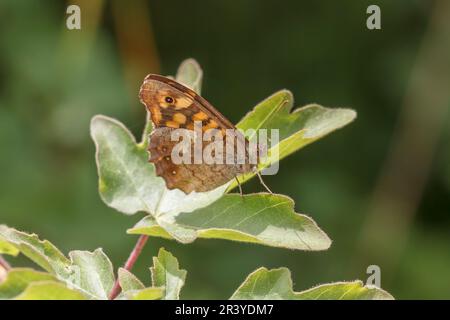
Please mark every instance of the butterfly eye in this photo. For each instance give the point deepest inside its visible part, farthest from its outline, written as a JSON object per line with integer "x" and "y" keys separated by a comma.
{"x": 169, "y": 99}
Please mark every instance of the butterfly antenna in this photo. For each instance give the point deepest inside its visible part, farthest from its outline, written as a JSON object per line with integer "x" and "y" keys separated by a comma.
{"x": 239, "y": 185}
{"x": 262, "y": 182}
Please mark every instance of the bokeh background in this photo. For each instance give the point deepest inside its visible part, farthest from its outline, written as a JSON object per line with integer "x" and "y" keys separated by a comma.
{"x": 379, "y": 187}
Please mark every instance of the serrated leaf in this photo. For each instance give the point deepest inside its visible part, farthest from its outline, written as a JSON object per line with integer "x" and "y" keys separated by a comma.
{"x": 90, "y": 273}
{"x": 42, "y": 252}
{"x": 276, "y": 284}
{"x": 257, "y": 218}
{"x": 18, "y": 279}
{"x": 127, "y": 181}
{"x": 49, "y": 290}
{"x": 190, "y": 74}
{"x": 166, "y": 273}
{"x": 129, "y": 281}
{"x": 296, "y": 129}
{"x": 94, "y": 272}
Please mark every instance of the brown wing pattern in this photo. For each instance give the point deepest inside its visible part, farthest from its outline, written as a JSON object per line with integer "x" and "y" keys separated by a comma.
{"x": 186, "y": 177}
{"x": 174, "y": 106}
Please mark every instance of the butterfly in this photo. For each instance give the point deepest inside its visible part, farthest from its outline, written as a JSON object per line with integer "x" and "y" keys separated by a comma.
{"x": 173, "y": 106}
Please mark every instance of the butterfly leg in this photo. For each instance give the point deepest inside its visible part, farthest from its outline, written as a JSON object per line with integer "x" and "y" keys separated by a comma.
{"x": 239, "y": 185}
{"x": 262, "y": 182}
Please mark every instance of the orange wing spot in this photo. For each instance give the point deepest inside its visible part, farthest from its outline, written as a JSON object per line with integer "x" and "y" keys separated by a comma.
{"x": 172, "y": 124}
{"x": 179, "y": 118}
{"x": 211, "y": 125}
{"x": 200, "y": 116}
{"x": 183, "y": 102}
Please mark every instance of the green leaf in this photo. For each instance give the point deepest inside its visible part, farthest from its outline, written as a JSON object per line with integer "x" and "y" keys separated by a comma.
{"x": 314, "y": 121}
{"x": 18, "y": 279}
{"x": 91, "y": 273}
{"x": 296, "y": 129}
{"x": 167, "y": 230}
{"x": 43, "y": 253}
{"x": 127, "y": 181}
{"x": 354, "y": 290}
{"x": 7, "y": 248}
{"x": 129, "y": 281}
{"x": 94, "y": 272}
{"x": 49, "y": 290}
{"x": 190, "y": 74}
{"x": 257, "y": 218}
{"x": 150, "y": 293}
{"x": 276, "y": 284}
{"x": 134, "y": 289}
{"x": 166, "y": 273}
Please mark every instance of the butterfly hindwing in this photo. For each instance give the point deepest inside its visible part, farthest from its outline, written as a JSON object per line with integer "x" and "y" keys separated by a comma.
{"x": 186, "y": 177}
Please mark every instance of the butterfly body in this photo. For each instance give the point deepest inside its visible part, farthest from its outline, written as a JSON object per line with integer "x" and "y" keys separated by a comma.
{"x": 173, "y": 106}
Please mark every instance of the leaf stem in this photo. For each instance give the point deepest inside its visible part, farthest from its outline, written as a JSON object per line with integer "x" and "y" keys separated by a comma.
{"x": 4, "y": 263}
{"x": 129, "y": 264}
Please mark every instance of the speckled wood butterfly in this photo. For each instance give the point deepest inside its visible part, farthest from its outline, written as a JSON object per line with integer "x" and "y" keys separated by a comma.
{"x": 173, "y": 106}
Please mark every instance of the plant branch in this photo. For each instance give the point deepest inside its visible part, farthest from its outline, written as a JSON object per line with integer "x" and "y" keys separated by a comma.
{"x": 4, "y": 263}
{"x": 129, "y": 264}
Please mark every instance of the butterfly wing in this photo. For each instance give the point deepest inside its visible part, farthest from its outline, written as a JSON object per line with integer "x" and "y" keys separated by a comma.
{"x": 173, "y": 106}
{"x": 186, "y": 177}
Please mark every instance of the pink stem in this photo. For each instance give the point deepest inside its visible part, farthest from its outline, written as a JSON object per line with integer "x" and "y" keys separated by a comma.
{"x": 4, "y": 263}
{"x": 129, "y": 264}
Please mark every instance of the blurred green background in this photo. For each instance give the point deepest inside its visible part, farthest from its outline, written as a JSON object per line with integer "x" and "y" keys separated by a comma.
{"x": 379, "y": 188}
